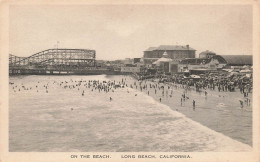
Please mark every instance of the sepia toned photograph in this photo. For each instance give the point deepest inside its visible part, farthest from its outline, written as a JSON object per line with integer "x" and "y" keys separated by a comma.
{"x": 130, "y": 78}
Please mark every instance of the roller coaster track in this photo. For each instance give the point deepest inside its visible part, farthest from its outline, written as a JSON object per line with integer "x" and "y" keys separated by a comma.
{"x": 56, "y": 57}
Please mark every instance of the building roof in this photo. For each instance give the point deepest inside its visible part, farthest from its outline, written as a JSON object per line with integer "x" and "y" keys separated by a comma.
{"x": 238, "y": 59}
{"x": 164, "y": 58}
{"x": 170, "y": 48}
{"x": 155, "y": 58}
{"x": 174, "y": 47}
{"x": 161, "y": 60}
{"x": 207, "y": 52}
{"x": 165, "y": 54}
{"x": 151, "y": 48}
{"x": 196, "y": 61}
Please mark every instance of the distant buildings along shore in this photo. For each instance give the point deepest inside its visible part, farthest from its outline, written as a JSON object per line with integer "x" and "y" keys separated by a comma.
{"x": 163, "y": 59}
{"x": 175, "y": 59}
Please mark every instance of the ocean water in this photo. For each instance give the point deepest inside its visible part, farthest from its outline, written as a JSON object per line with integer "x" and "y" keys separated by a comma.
{"x": 63, "y": 120}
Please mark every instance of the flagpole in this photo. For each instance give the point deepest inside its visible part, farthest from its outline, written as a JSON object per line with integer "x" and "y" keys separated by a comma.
{"x": 58, "y": 44}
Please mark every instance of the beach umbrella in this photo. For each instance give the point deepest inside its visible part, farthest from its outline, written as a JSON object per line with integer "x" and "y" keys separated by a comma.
{"x": 245, "y": 71}
{"x": 234, "y": 73}
{"x": 195, "y": 76}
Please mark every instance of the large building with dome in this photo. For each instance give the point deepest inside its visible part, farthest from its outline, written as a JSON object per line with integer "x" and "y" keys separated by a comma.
{"x": 175, "y": 52}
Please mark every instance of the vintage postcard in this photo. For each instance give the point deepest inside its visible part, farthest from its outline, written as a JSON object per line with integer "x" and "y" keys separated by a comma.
{"x": 129, "y": 81}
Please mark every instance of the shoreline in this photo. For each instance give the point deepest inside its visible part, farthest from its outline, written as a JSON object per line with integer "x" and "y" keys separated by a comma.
{"x": 186, "y": 108}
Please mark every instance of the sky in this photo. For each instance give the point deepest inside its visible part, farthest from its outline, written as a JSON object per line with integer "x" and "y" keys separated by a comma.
{"x": 125, "y": 31}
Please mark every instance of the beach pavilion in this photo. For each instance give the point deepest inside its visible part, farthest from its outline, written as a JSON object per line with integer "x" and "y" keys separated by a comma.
{"x": 163, "y": 63}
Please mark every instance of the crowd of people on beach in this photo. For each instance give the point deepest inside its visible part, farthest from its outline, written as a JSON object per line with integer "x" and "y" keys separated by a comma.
{"x": 161, "y": 84}
{"x": 221, "y": 82}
